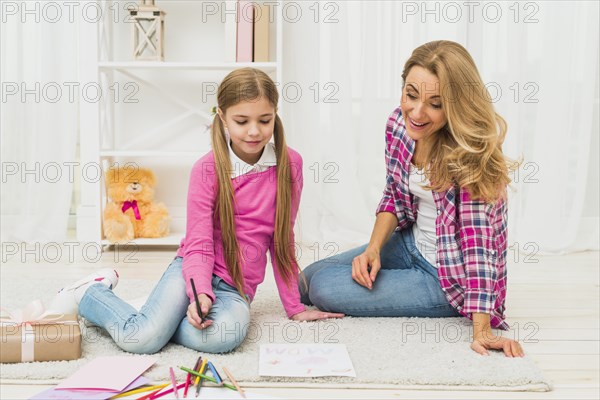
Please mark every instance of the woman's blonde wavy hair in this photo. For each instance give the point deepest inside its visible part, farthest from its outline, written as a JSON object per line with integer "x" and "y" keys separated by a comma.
{"x": 468, "y": 151}
{"x": 250, "y": 84}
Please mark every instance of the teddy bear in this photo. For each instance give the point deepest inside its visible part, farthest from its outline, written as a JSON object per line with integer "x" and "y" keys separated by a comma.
{"x": 131, "y": 211}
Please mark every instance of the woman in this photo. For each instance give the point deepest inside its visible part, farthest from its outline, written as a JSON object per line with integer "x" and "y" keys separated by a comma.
{"x": 438, "y": 248}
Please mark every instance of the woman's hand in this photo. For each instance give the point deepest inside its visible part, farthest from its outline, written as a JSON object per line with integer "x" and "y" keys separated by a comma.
{"x": 315, "y": 315}
{"x": 192, "y": 312}
{"x": 487, "y": 340}
{"x": 484, "y": 339}
{"x": 365, "y": 267}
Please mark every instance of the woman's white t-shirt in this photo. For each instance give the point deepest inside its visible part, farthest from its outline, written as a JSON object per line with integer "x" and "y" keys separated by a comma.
{"x": 424, "y": 227}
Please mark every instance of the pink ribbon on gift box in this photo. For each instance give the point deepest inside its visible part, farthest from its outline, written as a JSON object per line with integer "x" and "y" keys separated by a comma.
{"x": 33, "y": 314}
{"x": 132, "y": 204}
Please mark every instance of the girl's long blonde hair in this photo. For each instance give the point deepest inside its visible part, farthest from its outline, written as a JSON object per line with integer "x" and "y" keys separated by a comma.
{"x": 250, "y": 84}
{"x": 468, "y": 150}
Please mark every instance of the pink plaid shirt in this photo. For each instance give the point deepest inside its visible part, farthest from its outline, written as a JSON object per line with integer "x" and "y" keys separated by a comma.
{"x": 471, "y": 235}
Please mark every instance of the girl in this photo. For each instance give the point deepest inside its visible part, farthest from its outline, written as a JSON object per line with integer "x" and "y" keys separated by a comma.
{"x": 243, "y": 199}
{"x": 438, "y": 248}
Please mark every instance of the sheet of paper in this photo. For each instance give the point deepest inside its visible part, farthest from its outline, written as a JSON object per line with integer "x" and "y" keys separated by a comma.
{"x": 65, "y": 394}
{"x": 305, "y": 360}
{"x": 113, "y": 373}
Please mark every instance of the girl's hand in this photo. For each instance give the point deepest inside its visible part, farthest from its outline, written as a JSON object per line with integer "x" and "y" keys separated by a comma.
{"x": 315, "y": 315}
{"x": 192, "y": 312}
{"x": 486, "y": 341}
{"x": 360, "y": 267}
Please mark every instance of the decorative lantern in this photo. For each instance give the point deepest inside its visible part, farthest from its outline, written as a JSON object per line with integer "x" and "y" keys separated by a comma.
{"x": 148, "y": 31}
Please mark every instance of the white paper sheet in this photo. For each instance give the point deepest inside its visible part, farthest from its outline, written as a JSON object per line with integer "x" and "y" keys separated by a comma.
{"x": 305, "y": 360}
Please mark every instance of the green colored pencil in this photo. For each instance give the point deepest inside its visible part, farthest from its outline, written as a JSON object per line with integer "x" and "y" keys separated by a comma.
{"x": 208, "y": 378}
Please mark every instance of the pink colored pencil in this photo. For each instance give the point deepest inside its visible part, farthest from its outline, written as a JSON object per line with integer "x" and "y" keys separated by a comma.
{"x": 149, "y": 395}
{"x": 159, "y": 395}
{"x": 174, "y": 382}
{"x": 188, "y": 380}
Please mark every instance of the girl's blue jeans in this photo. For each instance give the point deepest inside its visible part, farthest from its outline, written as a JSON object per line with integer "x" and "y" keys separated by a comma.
{"x": 163, "y": 318}
{"x": 407, "y": 285}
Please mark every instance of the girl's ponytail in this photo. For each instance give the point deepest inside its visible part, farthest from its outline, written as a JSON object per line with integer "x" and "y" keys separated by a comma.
{"x": 224, "y": 204}
{"x": 284, "y": 248}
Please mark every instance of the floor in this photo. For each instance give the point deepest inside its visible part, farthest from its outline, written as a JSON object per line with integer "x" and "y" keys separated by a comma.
{"x": 552, "y": 305}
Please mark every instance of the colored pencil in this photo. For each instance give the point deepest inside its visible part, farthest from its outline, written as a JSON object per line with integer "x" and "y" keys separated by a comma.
{"x": 208, "y": 378}
{"x": 197, "y": 369}
{"x": 174, "y": 382}
{"x": 140, "y": 390}
{"x": 239, "y": 389}
{"x": 202, "y": 368}
{"x": 215, "y": 374}
{"x": 196, "y": 298}
{"x": 188, "y": 380}
{"x": 149, "y": 395}
{"x": 166, "y": 392}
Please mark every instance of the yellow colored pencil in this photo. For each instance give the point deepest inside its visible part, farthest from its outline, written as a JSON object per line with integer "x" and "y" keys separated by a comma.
{"x": 140, "y": 390}
{"x": 198, "y": 370}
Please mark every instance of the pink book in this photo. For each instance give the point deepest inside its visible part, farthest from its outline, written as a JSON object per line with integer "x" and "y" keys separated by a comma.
{"x": 245, "y": 30}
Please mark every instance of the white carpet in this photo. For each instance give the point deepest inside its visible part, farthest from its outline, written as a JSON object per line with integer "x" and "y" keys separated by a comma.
{"x": 403, "y": 352}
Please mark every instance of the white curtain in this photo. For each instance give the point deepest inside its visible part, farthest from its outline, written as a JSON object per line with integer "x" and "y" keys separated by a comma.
{"x": 39, "y": 123}
{"x": 540, "y": 61}
{"x": 342, "y": 66}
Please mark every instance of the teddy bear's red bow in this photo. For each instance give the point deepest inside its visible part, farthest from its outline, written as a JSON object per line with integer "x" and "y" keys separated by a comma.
{"x": 132, "y": 204}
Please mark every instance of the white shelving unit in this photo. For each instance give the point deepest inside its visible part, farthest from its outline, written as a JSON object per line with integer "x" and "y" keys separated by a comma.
{"x": 153, "y": 113}
{"x": 265, "y": 66}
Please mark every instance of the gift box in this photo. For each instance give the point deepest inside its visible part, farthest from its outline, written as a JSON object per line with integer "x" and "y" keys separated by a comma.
{"x": 33, "y": 334}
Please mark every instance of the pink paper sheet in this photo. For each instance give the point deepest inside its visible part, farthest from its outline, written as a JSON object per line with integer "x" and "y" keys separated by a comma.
{"x": 107, "y": 373}
{"x": 67, "y": 394}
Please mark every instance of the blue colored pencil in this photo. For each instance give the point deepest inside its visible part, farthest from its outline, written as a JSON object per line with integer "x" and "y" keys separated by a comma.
{"x": 215, "y": 374}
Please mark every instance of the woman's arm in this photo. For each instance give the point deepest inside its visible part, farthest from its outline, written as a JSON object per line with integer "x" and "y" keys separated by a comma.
{"x": 477, "y": 236}
{"x": 484, "y": 339}
{"x": 385, "y": 224}
{"x": 478, "y": 222}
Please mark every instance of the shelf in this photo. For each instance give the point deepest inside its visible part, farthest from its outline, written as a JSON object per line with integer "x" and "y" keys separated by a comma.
{"x": 168, "y": 65}
{"x": 151, "y": 153}
{"x": 173, "y": 239}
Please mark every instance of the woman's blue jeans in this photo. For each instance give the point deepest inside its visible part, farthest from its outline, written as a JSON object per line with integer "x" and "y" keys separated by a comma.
{"x": 163, "y": 318}
{"x": 406, "y": 285}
